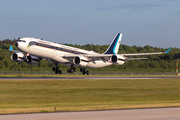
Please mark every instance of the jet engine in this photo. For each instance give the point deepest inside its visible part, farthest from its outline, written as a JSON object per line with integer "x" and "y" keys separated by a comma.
{"x": 18, "y": 57}
{"x": 32, "y": 60}
{"x": 117, "y": 59}
{"x": 80, "y": 60}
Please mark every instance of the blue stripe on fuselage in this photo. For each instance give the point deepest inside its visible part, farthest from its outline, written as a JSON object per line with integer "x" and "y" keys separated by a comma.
{"x": 55, "y": 47}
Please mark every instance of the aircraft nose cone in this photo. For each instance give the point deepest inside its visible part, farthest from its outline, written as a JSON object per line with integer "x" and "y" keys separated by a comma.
{"x": 16, "y": 44}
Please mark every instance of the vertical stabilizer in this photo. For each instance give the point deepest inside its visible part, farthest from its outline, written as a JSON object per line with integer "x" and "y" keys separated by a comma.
{"x": 114, "y": 47}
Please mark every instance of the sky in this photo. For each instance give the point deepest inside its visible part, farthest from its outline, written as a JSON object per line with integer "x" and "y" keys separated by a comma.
{"x": 142, "y": 22}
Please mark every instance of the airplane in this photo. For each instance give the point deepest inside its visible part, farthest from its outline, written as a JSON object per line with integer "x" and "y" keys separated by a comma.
{"x": 33, "y": 50}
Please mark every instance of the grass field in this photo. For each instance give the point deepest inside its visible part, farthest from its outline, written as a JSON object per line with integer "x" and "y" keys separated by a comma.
{"x": 26, "y": 96}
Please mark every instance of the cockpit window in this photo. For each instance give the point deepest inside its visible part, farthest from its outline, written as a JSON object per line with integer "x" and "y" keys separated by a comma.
{"x": 21, "y": 41}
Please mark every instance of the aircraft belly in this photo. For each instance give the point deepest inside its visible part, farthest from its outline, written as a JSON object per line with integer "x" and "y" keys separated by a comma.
{"x": 61, "y": 60}
{"x": 98, "y": 64}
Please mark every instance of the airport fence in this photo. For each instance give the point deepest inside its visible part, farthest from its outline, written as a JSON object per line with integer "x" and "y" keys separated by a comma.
{"x": 91, "y": 73}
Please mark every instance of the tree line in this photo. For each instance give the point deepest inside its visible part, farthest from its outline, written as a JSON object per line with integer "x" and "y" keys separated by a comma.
{"x": 164, "y": 62}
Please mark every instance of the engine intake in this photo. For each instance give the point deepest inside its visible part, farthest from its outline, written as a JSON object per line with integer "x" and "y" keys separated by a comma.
{"x": 114, "y": 59}
{"x": 80, "y": 60}
{"x": 77, "y": 60}
{"x": 18, "y": 57}
{"x": 118, "y": 59}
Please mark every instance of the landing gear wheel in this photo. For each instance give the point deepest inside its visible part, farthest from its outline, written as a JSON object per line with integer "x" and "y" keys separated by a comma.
{"x": 57, "y": 68}
{"x": 87, "y": 72}
{"x": 60, "y": 71}
{"x": 68, "y": 70}
{"x": 74, "y": 69}
{"x": 84, "y": 72}
{"x": 53, "y": 69}
{"x": 71, "y": 70}
{"x": 56, "y": 71}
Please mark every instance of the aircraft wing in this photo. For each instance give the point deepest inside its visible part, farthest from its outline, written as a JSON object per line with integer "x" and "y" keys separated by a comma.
{"x": 140, "y": 54}
{"x": 106, "y": 57}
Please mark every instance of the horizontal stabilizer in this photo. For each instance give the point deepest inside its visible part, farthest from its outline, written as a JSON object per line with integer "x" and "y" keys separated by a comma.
{"x": 11, "y": 49}
{"x": 167, "y": 50}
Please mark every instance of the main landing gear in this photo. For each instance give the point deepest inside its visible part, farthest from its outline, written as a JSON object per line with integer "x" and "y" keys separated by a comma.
{"x": 71, "y": 70}
{"x": 84, "y": 71}
{"x": 57, "y": 71}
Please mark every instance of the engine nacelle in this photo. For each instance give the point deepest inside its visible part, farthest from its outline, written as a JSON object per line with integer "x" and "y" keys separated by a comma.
{"x": 18, "y": 57}
{"x": 117, "y": 59}
{"x": 32, "y": 60}
{"x": 80, "y": 60}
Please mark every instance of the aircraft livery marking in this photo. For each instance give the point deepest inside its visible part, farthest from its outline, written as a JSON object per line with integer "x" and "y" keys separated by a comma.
{"x": 54, "y": 47}
{"x": 121, "y": 59}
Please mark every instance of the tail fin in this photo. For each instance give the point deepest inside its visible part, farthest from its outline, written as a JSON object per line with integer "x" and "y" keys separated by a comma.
{"x": 114, "y": 47}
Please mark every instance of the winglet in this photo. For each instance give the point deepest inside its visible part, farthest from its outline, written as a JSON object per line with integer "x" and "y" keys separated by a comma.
{"x": 10, "y": 48}
{"x": 167, "y": 50}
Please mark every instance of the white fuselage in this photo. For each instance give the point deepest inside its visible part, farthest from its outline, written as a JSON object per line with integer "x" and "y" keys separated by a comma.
{"x": 56, "y": 52}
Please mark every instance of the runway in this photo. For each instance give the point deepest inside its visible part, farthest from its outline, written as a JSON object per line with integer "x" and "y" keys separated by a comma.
{"x": 84, "y": 78}
{"x": 131, "y": 114}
